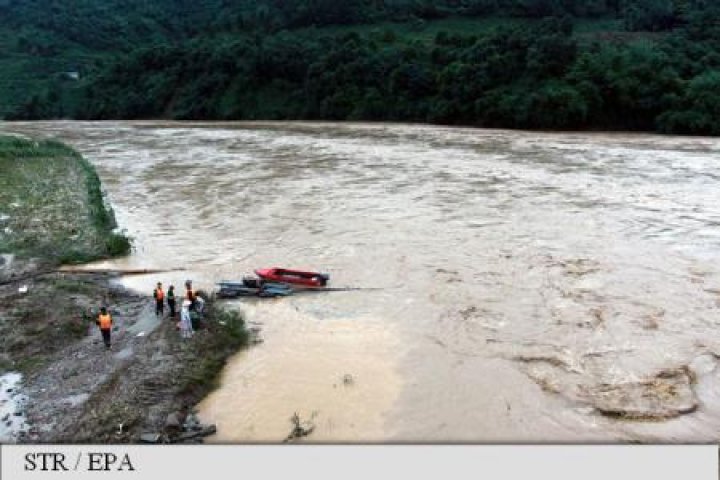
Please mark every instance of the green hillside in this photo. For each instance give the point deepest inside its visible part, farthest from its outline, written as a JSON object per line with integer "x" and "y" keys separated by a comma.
{"x": 618, "y": 64}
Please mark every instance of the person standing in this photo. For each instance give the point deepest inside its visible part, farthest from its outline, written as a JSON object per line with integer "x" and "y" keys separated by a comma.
{"x": 190, "y": 294}
{"x": 186, "y": 330}
{"x": 171, "y": 300}
{"x": 159, "y": 297}
{"x": 104, "y": 321}
{"x": 199, "y": 304}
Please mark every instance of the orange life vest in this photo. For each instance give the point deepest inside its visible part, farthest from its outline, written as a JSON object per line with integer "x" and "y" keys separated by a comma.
{"x": 190, "y": 295}
{"x": 159, "y": 294}
{"x": 105, "y": 321}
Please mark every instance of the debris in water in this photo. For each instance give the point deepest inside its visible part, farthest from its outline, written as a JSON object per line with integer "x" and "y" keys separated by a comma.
{"x": 652, "y": 321}
{"x": 598, "y": 317}
{"x": 549, "y": 359}
{"x": 468, "y": 312}
{"x": 669, "y": 394}
{"x": 23, "y": 289}
{"x": 579, "y": 266}
{"x": 301, "y": 428}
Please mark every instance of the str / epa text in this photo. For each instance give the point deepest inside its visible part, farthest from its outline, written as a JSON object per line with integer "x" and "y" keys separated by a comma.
{"x": 84, "y": 461}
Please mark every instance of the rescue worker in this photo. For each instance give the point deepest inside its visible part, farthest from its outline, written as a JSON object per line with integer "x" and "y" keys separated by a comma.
{"x": 104, "y": 321}
{"x": 190, "y": 294}
{"x": 159, "y": 297}
{"x": 171, "y": 300}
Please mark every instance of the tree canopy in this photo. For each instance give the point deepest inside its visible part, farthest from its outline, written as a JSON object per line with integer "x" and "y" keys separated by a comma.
{"x": 550, "y": 64}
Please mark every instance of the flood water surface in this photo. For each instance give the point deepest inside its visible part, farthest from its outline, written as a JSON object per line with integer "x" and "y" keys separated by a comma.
{"x": 533, "y": 287}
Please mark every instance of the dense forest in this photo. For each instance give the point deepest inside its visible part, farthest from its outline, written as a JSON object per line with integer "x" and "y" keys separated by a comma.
{"x": 547, "y": 64}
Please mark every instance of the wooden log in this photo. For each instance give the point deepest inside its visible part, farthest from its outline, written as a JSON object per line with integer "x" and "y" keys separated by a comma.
{"x": 113, "y": 271}
{"x": 87, "y": 271}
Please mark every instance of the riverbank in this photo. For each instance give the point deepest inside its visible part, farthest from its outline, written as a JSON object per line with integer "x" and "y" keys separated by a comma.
{"x": 88, "y": 394}
{"x": 52, "y": 212}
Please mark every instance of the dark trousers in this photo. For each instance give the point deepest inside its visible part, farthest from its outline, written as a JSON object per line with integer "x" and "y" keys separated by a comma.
{"x": 171, "y": 305}
{"x": 106, "y": 336}
{"x": 159, "y": 307}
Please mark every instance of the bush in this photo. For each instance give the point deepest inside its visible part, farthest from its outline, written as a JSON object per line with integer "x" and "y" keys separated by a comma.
{"x": 118, "y": 244}
{"x": 224, "y": 335}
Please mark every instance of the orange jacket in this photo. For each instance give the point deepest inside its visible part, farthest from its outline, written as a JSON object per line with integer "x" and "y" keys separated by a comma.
{"x": 159, "y": 294}
{"x": 104, "y": 321}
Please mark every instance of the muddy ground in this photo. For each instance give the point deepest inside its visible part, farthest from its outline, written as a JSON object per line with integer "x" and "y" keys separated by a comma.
{"x": 76, "y": 389}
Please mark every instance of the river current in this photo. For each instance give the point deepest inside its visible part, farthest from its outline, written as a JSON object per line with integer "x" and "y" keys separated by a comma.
{"x": 532, "y": 287}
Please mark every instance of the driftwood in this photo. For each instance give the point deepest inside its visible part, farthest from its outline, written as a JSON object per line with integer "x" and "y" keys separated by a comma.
{"x": 113, "y": 271}
{"x": 87, "y": 271}
{"x": 300, "y": 428}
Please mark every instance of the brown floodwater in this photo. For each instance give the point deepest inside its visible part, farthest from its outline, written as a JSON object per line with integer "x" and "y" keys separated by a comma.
{"x": 536, "y": 287}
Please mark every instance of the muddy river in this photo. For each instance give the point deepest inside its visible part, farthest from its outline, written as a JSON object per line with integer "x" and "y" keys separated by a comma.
{"x": 535, "y": 287}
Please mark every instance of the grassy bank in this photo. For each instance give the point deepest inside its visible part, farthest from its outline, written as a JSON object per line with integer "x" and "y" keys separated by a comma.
{"x": 43, "y": 213}
{"x": 225, "y": 334}
{"x": 52, "y": 211}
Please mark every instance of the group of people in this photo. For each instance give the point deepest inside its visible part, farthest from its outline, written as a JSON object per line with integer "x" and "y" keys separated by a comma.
{"x": 191, "y": 302}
